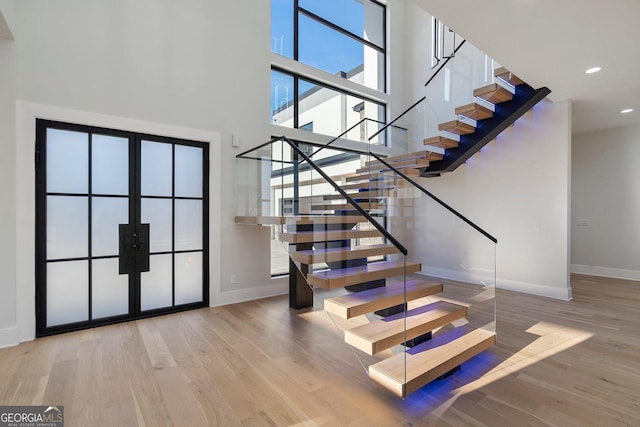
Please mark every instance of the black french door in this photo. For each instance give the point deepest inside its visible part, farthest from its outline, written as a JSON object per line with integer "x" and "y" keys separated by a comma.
{"x": 121, "y": 226}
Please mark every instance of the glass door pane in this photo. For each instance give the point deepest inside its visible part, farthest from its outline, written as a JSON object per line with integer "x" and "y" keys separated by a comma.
{"x": 121, "y": 226}
{"x": 172, "y": 202}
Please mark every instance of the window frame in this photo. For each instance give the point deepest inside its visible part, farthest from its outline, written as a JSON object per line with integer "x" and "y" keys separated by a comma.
{"x": 295, "y": 101}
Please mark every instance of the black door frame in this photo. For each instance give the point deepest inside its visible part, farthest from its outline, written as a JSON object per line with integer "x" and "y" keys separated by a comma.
{"x": 134, "y": 197}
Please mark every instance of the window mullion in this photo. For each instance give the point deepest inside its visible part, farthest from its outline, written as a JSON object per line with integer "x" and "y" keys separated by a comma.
{"x": 333, "y": 26}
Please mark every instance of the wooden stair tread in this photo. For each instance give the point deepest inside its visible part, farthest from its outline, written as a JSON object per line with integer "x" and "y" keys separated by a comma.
{"x": 368, "y": 301}
{"x": 362, "y": 195}
{"x": 410, "y": 171}
{"x": 493, "y": 93}
{"x": 299, "y": 219}
{"x": 377, "y": 185}
{"x": 347, "y": 206}
{"x": 339, "y": 278}
{"x": 421, "y": 155}
{"x": 374, "y": 175}
{"x": 457, "y": 127}
{"x": 303, "y": 183}
{"x": 410, "y": 163}
{"x": 312, "y": 256}
{"x": 441, "y": 142}
{"x": 505, "y": 75}
{"x": 430, "y": 360}
{"x": 474, "y": 111}
{"x": 368, "y": 177}
{"x": 294, "y": 237}
{"x": 382, "y": 334}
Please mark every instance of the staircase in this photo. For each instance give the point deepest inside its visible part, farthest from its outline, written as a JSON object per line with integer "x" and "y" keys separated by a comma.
{"x": 497, "y": 106}
{"x": 414, "y": 329}
{"x": 324, "y": 233}
{"x": 412, "y": 326}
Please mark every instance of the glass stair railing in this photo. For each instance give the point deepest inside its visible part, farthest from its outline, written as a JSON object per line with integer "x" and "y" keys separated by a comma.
{"x": 407, "y": 281}
{"x": 469, "y": 100}
{"x": 405, "y": 278}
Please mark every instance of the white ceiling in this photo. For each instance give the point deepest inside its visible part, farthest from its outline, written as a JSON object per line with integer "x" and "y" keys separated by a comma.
{"x": 552, "y": 42}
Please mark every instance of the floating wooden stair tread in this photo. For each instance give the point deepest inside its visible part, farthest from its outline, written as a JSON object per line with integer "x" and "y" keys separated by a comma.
{"x": 368, "y": 177}
{"x": 347, "y": 206}
{"x": 375, "y": 185}
{"x": 410, "y": 163}
{"x": 493, "y": 93}
{"x": 326, "y": 236}
{"x": 441, "y": 142}
{"x": 474, "y": 111}
{"x": 339, "y": 278}
{"x": 375, "y": 175}
{"x": 363, "y": 302}
{"x": 382, "y": 334}
{"x": 457, "y": 127}
{"x": 430, "y": 360}
{"x": 416, "y": 155}
{"x": 507, "y": 76}
{"x": 361, "y": 195}
{"x": 313, "y": 256}
{"x": 409, "y": 171}
{"x": 299, "y": 219}
{"x": 302, "y": 183}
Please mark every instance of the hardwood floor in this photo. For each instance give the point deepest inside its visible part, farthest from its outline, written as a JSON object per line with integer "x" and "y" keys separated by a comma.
{"x": 260, "y": 364}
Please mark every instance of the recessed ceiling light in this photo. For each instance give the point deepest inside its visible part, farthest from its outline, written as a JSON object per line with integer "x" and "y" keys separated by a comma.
{"x": 626, "y": 110}
{"x": 593, "y": 70}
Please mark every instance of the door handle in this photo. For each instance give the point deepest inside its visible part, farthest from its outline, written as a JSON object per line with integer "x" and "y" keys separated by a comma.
{"x": 126, "y": 249}
{"x": 134, "y": 248}
{"x": 142, "y": 250}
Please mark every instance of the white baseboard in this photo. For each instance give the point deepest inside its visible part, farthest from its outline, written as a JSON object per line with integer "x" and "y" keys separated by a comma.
{"x": 277, "y": 287}
{"x": 9, "y": 337}
{"x": 616, "y": 273}
{"x": 556, "y": 292}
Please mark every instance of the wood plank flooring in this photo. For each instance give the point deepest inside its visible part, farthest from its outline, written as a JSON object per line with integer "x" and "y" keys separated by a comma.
{"x": 260, "y": 364}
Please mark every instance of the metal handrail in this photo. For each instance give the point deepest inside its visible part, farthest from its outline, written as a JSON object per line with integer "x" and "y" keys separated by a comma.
{"x": 424, "y": 97}
{"x": 352, "y": 202}
{"x": 322, "y": 147}
{"x": 443, "y": 204}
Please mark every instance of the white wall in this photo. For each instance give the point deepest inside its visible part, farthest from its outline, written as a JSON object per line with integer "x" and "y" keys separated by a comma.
{"x": 517, "y": 189}
{"x": 196, "y": 65}
{"x": 8, "y": 329}
{"x": 605, "y": 203}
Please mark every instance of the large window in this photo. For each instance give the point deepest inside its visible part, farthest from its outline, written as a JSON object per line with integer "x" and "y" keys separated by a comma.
{"x": 296, "y": 102}
{"x": 341, "y": 37}
{"x": 337, "y": 38}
